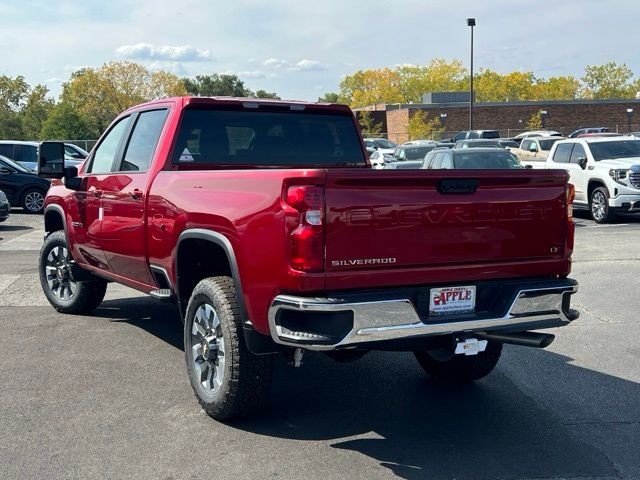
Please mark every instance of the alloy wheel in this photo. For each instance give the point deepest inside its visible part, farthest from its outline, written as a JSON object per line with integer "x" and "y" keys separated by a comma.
{"x": 207, "y": 348}
{"x": 58, "y": 271}
{"x": 34, "y": 201}
{"x": 598, "y": 206}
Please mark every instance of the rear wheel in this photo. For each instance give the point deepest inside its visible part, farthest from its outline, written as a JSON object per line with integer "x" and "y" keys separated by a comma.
{"x": 445, "y": 366}
{"x": 66, "y": 294}
{"x": 227, "y": 379}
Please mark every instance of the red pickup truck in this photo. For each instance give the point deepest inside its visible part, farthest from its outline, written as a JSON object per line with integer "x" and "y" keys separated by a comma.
{"x": 265, "y": 223}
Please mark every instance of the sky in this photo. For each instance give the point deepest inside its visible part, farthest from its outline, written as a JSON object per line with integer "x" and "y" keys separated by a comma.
{"x": 301, "y": 49}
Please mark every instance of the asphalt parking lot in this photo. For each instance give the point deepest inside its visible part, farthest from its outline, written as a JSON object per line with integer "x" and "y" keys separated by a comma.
{"x": 107, "y": 396}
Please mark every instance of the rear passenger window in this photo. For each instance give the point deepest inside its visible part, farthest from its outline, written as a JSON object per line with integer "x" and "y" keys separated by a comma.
{"x": 29, "y": 153}
{"x": 563, "y": 153}
{"x": 143, "y": 141}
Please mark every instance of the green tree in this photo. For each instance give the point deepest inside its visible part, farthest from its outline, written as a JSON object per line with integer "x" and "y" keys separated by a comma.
{"x": 35, "y": 112}
{"x": 100, "y": 94}
{"x": 66, "y": 123}
{"x": 608, "y": 81}
{"x": 368, "y": 126}
{"x": 330, "y": 97}
{"x": 216, "y": 85}
{"x": 264, "y": 94}
{"x": 535, "y": 121}
{"x": 421, "y": 127}
{"x": 13, "y": 95}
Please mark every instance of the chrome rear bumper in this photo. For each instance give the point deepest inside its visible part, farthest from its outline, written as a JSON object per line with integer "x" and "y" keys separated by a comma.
{"x": 397, "y": 318}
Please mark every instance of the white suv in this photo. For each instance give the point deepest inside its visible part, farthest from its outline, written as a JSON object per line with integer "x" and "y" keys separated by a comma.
{"x": 605, "y": 172}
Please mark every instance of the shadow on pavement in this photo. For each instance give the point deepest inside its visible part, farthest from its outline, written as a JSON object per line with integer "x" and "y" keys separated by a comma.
{"x": 13, "y": 228}
{"x": 421, "y": 430}
{"x": 159, "y": 319}
{"x": 385, "y": 408}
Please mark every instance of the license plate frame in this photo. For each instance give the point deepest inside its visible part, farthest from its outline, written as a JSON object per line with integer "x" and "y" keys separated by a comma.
{"x": 458, "y": 300}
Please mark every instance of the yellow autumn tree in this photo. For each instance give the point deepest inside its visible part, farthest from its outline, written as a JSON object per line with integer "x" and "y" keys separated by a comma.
{"x": 421, "y": 127}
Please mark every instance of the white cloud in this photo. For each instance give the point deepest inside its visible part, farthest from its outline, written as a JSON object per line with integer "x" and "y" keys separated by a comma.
{"x": 147, "y": 51}
{"x": 275, "y": 63}
{"x": 308, "y": 66}
{"x": 54, "y": 80}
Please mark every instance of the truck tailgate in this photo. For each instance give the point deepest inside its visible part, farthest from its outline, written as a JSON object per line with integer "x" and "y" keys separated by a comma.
{"x": 395, "y": 220}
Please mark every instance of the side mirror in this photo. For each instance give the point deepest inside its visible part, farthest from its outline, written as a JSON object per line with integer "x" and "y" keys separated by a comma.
{"x": 71, "y": 179}
{"x": 51, "y": 160}
{"x": 582, "y": 161}
{"x": 5, "y": 170}
{"x": 528, "y": 166}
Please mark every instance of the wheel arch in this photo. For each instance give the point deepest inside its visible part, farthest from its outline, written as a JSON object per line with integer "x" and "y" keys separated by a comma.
{"x": 54, "y": 220}
{"x": 214, "y": 255}
{"x": 593, "y": 184}
{"x": 30, "y": 186}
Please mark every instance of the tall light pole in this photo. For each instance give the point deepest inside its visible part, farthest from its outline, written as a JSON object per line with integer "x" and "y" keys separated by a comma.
{"x": 629, "y": 114}
{"x": 471, "y": 22}
{"x": 543, "y": 117}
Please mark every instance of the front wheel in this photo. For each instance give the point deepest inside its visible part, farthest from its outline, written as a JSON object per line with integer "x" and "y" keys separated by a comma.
{"x": 445, "y": 366}
{"x": 227, "y": 379}
{"x": 65, "y": 293}
{"x": 599, "y": 205}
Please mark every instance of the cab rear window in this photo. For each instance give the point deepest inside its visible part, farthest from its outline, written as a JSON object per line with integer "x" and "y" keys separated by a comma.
{"x": 267, "y": 138}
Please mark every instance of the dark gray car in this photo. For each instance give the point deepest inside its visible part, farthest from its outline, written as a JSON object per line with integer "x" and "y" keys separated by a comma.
{"x": 471, "y": 159}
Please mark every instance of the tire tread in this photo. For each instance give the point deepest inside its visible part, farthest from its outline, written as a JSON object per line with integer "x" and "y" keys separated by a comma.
{"x": 250, "y": 374}
{"x": 89, "y": 294}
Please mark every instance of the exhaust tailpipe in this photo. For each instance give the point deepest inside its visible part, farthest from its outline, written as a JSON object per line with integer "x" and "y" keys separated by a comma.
{"x": 525, "y": 339}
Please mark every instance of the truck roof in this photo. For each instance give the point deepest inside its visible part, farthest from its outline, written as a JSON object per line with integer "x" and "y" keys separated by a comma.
{"x": 249, "y": 103}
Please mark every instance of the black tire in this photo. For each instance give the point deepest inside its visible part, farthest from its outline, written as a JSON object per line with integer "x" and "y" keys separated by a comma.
{"x": 83, "y": 297}
{"x": 599, "y": 206}
{"x": 240, "y": 386}
{"x": 32, "y": 200}
{"x": 446, "y": 367}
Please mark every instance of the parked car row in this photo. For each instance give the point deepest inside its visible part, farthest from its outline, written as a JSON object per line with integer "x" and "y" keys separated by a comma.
{"x": 21, "y": 186}
{"x": 5, "y": 207}
{"x": 26, "y": 153}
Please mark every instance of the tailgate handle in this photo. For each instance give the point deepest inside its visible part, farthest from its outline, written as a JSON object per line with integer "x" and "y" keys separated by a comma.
{"x": 457, "y": 185}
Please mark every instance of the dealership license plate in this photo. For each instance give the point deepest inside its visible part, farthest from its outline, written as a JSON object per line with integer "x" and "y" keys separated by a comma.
{"x": 452, "y": 300}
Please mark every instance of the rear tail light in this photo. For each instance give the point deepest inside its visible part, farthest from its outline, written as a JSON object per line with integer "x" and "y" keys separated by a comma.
{"x": 571, "y": 227}
{"x": 571, "y": 196}
{"x": 306, "y": 237}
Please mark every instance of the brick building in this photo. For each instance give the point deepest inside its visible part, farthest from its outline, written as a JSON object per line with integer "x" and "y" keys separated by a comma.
{"x": 509, "y": 117}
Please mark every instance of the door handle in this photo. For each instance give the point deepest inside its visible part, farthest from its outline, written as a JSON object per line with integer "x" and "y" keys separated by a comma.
{"x": 95, "y": 192}
{"x": 136, "y": 194}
